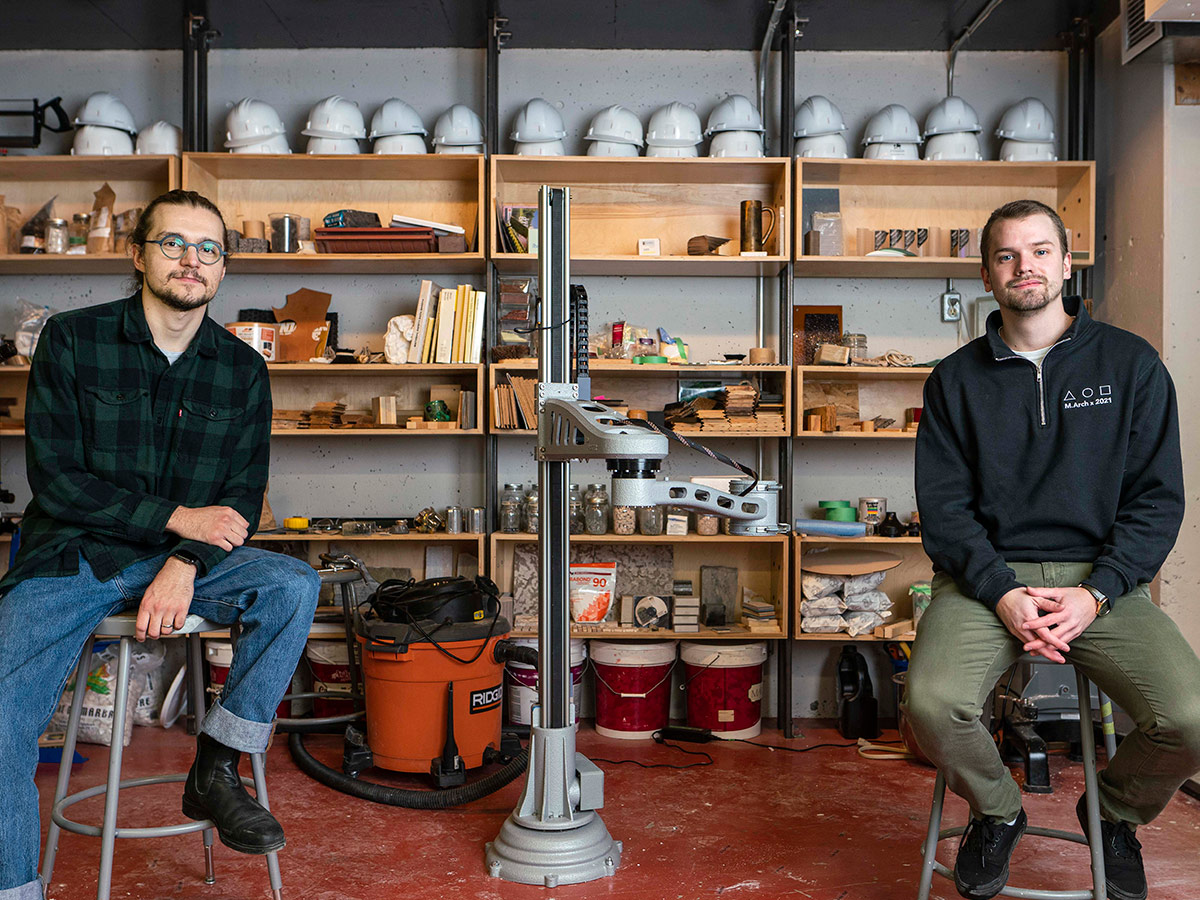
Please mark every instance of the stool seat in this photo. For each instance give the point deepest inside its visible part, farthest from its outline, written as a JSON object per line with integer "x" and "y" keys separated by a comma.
{"x": 125, "y": 625}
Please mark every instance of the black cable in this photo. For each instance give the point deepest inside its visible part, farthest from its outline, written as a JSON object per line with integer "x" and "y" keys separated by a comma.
{"x": 793, "y": 749}
{"x": 700, "y": 448}
{"x": 1004, "y": 699}
{"x": 640, "y": 764}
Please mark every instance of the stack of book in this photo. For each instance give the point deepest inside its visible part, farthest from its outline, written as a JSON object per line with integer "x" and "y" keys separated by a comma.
{"x": 759, "y": 615}
{"x": 449, "y": 325}
{"x": 685, "y": 614}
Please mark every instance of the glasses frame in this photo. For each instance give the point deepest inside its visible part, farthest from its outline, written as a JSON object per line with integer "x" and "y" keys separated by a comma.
{"x": 186, "y": 245}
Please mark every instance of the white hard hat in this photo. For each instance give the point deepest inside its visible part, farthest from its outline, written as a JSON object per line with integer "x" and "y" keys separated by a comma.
{"x": 891, "y": 151}
{"x": 161, "y": 138}
{"x": 395, "y": 117}
{"x": 339, "y": 146}
{"x": 1028, "y": 151}
{"x": 400, "y": 143}
{"x": 736, "y": 143}
{"x": 99, "y": 140}
{"x": 817, "y": 116}
{"x": 673, "y": 125}
{"x": 251, "y": 121}
{"x": 458, "y": 126}
{"x": 611, "y": 148}
{"x": 892, "y": 125}
{"x": 953, "y": 145}
{"x": 1028, "y": 120}
{"x": 539, "y": 148}
{"x": 616, "y": 125}
{"x": 822, "y": 146}
{"x": 102, "y": 108}
{"x": 688, "y": 150}
{"x": 734, "y": 113}
{"x": 459, "y": 149}
{"x": 276, "y": 143}
{"x": 953, "y": 114}
{"x": 538, "y": 121}
{"x": 335, "y": 117}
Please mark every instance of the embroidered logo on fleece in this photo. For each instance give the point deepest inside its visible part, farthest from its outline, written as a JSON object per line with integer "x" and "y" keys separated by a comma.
{"x": 1088, "y": 396}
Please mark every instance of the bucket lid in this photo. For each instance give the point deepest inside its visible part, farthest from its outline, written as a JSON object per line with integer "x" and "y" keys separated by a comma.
{"x": 653, "y": 653}
{"x": 331, "y": 653}
{"x": 722, "y": 656}
{"x": 219, "y": 653}
{"x": 578, "y": 650}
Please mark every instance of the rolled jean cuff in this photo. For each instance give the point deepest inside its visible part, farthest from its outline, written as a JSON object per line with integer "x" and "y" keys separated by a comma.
{"x": 232, "y": 731}
{"x": 30, "y": 890}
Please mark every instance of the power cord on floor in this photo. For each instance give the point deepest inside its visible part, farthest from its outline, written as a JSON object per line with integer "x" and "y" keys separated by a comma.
{"x": 658, "y": 739}
{"x": 792, "y": 749}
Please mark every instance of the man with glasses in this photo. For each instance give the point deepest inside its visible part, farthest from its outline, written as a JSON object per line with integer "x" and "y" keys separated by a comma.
{"x": 147, "y": 429}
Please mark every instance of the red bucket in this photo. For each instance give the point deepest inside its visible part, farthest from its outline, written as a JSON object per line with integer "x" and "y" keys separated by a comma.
{"x": 633, "y": 687}
{"x": 724, "y": 687}
{"x": 220, "y": 657}
{"x": 330, "y": 666}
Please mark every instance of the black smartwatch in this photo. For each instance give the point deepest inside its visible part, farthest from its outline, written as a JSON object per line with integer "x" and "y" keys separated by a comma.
{"x": 188, "y": 557}
{"x": 1103, "y": 606}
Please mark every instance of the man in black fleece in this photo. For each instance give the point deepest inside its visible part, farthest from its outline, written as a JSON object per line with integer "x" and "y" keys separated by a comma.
{"x": 1050, "y": 488}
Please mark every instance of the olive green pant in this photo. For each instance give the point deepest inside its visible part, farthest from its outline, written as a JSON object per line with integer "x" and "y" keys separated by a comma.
{"x": 1135, "y": 654}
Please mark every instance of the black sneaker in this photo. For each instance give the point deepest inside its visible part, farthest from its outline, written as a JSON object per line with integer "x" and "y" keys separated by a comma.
{"x": 1124, "y": 872}
{"x": 981, "y": 868}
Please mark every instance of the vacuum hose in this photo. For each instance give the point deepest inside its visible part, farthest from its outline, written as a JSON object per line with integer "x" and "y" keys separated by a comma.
{"x": 419, "y": 799}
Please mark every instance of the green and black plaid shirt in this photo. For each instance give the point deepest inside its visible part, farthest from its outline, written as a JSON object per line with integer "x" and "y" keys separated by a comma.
{"x": 116, "y": 439}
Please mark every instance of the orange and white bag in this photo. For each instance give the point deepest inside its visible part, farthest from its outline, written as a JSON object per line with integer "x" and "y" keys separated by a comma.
{"x": 593, "y": 586}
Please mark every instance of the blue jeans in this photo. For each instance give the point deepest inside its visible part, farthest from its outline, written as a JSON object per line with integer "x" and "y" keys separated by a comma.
{"x": 44, "y": 623}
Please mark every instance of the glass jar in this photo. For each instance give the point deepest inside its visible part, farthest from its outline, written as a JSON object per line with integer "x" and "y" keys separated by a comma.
{"x": 650, "y": 519}
{"x": 575, "y": 511}
{"x": 595, "y": 509}
{"x": 707, "y": 524}
{"x": 77, "y": 234}
{"x": 56, "y": 235}
{"x": 533, "y": 515}
{"x": 857, "y": 344}
{"x": 624, "y": 520}
{"x": 510, "y": 509}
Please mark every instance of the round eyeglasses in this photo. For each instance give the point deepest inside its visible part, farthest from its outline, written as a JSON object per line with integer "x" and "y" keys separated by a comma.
{"x": 174, "y": 247}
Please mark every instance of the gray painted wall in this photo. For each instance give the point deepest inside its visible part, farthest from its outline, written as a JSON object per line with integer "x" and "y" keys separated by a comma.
{"x": 715, "y": 315}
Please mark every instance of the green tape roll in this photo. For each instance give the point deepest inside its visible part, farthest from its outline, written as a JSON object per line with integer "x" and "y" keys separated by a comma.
{"x": 833, "y": 504}
{"x": 841, "y": 514}
{"x": 643, "y": 360}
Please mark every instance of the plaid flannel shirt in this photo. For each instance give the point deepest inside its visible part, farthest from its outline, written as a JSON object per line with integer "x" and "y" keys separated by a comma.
{"x": 116, "y": 439}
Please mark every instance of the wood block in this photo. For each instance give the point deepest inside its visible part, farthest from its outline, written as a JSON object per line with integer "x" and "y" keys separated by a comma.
{"x": 868, "y": 426}
{"x": 895, "y": 629}
{"x": 383, "y": 410}
{"x": 831, "y": 355}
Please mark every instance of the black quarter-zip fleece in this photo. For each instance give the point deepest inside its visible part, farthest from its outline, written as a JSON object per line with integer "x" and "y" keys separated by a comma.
{"x": 1079, "y": 462}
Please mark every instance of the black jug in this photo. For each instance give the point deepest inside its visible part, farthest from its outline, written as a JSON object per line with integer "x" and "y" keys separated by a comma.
{"x": 858, "y": 710}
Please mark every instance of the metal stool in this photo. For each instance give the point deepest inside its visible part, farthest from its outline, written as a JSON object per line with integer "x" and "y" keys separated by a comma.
{"x": 124, "y": 626}
{"x": 1087, "y": 740}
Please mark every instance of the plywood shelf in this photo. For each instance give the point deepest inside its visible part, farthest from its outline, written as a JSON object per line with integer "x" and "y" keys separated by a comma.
{"x": 278, "y": 370}
{"x": 732, "y": 632}
{"x": 358, "y": 263}
{"x": 664, "y": 266}
{"x": 375, "y": 432}
{"x": 897, "y": 266}
{"x": 412, "y": 536}
{"x": 877, "y": 390}
{"x": 526, "y": 538}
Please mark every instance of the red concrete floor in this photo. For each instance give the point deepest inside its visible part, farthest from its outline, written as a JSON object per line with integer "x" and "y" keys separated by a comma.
{"x": 825, "y": 825}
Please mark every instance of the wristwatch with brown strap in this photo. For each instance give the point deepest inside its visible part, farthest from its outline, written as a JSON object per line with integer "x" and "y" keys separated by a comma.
{"x": 1103, "y": 605}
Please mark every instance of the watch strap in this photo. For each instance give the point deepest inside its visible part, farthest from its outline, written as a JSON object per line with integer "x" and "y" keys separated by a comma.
{"x": 1103, "y": 604}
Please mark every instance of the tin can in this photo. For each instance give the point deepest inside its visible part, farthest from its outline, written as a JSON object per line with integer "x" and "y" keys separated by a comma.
{"x": 871, "y": 511}
{"x": 476, "y": 520}
{"x": 454, "y": 520}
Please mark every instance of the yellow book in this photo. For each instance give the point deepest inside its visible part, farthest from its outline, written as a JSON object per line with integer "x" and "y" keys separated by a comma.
{"x": 468, "y": 326}
{"x": 460, "y": 307}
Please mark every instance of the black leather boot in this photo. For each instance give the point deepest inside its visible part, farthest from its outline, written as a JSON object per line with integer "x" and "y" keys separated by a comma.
{"x": 214, "y": 791}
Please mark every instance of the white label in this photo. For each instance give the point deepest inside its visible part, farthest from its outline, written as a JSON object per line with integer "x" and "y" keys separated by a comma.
{"x": 755, "y": 692}
{"x": 648, "y": 247}
{"x": 724, "y": 715}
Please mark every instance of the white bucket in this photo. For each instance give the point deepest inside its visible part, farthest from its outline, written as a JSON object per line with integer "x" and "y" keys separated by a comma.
{"x": 522, "y": 683}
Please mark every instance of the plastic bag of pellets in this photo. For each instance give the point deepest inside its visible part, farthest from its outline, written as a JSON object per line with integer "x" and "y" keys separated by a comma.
{"x": 823, "y": 606}
{"x": 814, "y": 586}
{"x": 871, "y": 601}
{"x": 822, "y": 624}
{"x": 862, "y": 622}
{"x": 96, "y": 718}
{"x": 860, "y": 584}
{"x": 149, "y": 656}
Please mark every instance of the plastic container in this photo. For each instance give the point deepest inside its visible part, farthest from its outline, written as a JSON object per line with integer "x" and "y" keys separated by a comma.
{"x": 220, "y": 657}
{"x": 724, "y": 684}
{"x": 287, "y": 230}
{"x": 633, "y": 688}
{"x": 330, "y": 666}
{"x": 521, "y": 682}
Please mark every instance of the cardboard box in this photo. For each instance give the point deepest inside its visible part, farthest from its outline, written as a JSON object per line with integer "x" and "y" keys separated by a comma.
{"x": 259, "y": 335}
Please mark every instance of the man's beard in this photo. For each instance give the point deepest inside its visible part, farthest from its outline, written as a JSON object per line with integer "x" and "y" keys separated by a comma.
{"x": 1030, "y": 300}
{"x": 179, "y": 300}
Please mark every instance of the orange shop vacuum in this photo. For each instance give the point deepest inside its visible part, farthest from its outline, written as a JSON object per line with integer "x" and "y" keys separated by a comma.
{"x": 433, "y": 655}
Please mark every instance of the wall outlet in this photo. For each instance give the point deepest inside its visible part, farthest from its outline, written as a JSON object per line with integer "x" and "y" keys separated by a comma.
{"x": 951, "y": 306}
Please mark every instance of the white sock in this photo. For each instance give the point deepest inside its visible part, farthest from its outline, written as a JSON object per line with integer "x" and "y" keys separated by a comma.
{"x": 1014, "y": 820}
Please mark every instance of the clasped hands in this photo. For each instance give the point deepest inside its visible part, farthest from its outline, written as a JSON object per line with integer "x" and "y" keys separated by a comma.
{"x": 1047, "y": 619}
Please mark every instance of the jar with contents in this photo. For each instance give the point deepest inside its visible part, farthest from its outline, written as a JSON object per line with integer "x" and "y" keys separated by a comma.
{"x": 77, "y": 234}
{"x": 595, "y": 509}
{"x": 575, "y": 511}
{"x": 707, "y": 524}
{"x": 650, "y": 519}
{"x": 510, "y": 509}
{"x": 624, "y": 520}
{"x": 857, "y": 344}
{"x": 56, "y": 235}
{"x": 533, "y": 516}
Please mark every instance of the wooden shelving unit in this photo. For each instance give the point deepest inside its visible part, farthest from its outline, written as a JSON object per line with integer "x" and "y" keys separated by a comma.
{"x": 615, "y": 202}
{"x": 391, "y": 550}
{"x": 920, "y": 193}
{"x": 761, "y": 560}
{"x": 881, "y": 391}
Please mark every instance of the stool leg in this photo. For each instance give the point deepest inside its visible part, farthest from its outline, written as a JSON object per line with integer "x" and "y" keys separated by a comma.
{"x": 197, "y": 702}
{"x": 1091, "y": 784}
{"x": 260, "y": 792}
{"x": 1107, "y": 726}
{"x": 108, "y": 832}
{"x": 931, "y": 836}
{"x": 210, "y": 875}
{"x": 68, "y": 756}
